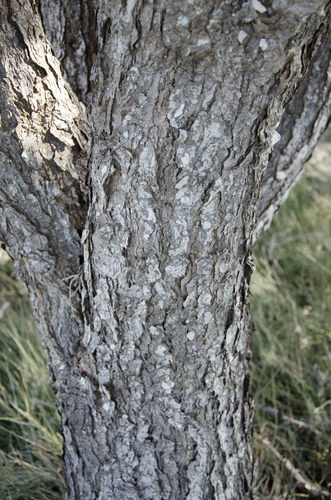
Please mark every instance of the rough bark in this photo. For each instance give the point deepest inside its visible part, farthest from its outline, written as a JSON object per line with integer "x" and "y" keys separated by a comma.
{"x": 304, "y": 120}
{"x": 43, "y": 142}
{"x": 153, "y": 389}
{"x": 70, "y": 26}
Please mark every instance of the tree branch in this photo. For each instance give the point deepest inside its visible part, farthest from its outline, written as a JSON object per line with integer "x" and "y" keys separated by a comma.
{"x": 303, "y": 122}
{"x": 314, "y": 490}
{"x": 43, "y": 143}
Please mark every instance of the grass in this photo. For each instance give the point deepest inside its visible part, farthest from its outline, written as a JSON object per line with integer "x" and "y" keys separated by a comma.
{"x": 290, "y": 372}
{"x": 291, "y": 368}
{"x": 30, "y": 436}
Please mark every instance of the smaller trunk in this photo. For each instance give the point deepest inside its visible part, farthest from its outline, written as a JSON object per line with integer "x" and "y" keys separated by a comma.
{"x": 43, "y": 143}
{"x": 304, "y": 120}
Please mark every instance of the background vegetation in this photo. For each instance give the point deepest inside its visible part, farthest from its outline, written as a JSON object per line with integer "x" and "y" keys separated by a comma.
{"x": 291, "y": 368}
{"x": 30, "y": 435}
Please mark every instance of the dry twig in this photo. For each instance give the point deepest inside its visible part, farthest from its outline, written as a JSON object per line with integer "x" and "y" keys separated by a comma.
{"x": 314, "y": 490}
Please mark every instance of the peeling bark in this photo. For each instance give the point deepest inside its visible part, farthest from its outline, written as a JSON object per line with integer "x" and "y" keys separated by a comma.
{"x": 149, "y": 358}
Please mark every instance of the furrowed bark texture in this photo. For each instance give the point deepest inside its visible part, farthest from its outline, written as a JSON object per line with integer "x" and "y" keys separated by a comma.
{"x": 189, "y": 99}
{"x": 70, "y": 26}
{"x": 153, "y": 390}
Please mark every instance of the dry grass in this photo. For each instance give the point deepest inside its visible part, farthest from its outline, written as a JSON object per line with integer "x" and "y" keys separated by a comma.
{"x": 291, "y": 369}
{"x": 30, "y": 440}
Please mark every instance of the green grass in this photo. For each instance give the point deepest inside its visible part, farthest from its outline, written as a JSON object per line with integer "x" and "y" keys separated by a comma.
{"x": 291, "y": 368}
{"x": 290, "y": 372}
{"x": 30, "y": 436}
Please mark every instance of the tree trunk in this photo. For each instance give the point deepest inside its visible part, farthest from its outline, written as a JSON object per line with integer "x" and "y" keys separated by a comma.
{"x": 148, "y": 347}
{"x": 304, "y": 120}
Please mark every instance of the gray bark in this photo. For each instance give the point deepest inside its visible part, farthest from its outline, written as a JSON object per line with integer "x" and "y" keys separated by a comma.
{"x": 70, "y": 27}
{"x": 149, "y": 349}
{"x": 304, "y": 120}
{"x": 43, "y": 144}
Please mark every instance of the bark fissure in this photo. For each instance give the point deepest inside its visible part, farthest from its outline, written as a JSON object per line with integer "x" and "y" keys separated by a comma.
{"x": 70, "y": 26}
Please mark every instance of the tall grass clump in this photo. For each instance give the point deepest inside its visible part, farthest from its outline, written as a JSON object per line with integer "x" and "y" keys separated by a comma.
{"x": 291, "y": 368}
{"x": 30, "y": 435}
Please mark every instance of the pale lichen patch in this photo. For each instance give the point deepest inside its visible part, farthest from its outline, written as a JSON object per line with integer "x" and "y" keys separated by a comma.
{"x": 202, "y": 41}
{"x": 179, "y": 111}
{"x": 242, "y": 35}
{"x": 182, "y": 21}
{"x": 182, "y": 135}
{"x": 191, "y": 335}
{"x": 276, "y": 137}
{"x": 161, "y": 350}
{"x": 182, "y": 182}
{"x": 281, "y": 175}
{"x": 263, "y": 44}
{"x": 258, "y": 6}
{"x": 167, "y": 386}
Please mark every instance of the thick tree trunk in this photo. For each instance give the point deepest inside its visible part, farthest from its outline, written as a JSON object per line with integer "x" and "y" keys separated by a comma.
{"x": 149, "y": 350}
